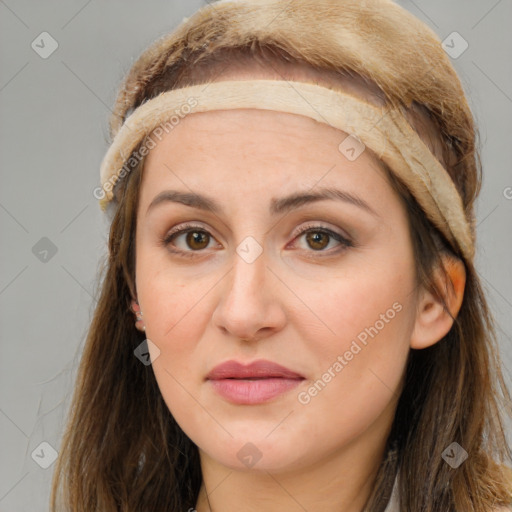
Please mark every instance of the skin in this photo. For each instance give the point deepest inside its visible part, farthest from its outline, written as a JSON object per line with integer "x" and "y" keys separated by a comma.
{"x": 293, "y": 305}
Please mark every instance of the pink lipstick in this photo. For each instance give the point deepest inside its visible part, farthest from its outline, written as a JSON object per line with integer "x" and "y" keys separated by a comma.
{"x": 255, "y": 383}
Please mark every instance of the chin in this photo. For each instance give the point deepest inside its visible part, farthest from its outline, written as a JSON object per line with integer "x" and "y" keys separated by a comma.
{"x": 274, "y": 455}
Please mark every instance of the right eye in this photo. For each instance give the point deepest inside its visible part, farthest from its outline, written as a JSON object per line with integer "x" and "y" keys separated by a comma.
{"x": 195, "y": 239}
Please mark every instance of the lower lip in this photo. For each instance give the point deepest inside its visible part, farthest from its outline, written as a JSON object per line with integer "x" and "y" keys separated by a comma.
{"x": 240, "y": 391}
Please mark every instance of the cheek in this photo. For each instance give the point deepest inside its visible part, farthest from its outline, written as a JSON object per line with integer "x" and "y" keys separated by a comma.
{"x": 369, "y": 305}
{"x": 177, "y": 309}
{"x": 175, "y": 315}
{"x": 358, "y": 371}
{"x": 169, "y": 295}
{"x": 366, "y": 355}
{"x": 361, "y": 351}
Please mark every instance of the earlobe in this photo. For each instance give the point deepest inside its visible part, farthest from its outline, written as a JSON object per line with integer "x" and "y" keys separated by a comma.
{"x": 433, "y": 320}
{"x": 139, "y": 323}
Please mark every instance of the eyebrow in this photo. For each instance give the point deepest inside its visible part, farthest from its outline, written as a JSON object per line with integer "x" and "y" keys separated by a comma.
{"x": 277, "y": 205}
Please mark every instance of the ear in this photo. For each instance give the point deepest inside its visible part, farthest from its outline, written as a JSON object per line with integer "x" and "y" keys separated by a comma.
{"x": 433, "y": 321}
{"x": 139, "y": 322}
{"x": 134, "y": 304}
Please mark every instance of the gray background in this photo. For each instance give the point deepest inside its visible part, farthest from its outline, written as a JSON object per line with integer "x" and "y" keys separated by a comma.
{"x": 53, "y": 129}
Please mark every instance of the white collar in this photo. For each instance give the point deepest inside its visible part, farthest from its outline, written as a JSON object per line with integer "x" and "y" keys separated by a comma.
{"x": 394, "y": 502}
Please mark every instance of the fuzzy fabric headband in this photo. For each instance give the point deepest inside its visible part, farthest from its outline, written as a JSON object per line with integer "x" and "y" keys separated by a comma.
{"x": 383, "y": 129}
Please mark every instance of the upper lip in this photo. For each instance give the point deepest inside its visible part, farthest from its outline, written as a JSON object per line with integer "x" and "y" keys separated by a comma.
{"x": 257, "y": 369}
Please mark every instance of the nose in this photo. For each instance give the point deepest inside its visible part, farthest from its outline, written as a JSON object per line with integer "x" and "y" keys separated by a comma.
{"x": 250, "y": 305}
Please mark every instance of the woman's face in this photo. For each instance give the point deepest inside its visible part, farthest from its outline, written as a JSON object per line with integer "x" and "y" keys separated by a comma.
{"x": 322, "y": 286}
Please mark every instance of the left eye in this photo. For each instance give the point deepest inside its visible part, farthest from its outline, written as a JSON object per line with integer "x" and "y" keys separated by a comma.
{"x": 318, "y": 238}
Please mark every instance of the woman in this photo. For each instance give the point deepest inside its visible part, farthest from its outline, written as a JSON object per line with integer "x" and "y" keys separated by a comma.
{"x": 290, "y": 317}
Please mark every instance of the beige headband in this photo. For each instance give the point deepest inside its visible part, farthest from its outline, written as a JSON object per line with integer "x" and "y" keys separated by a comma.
{"x": 384, "y": 130}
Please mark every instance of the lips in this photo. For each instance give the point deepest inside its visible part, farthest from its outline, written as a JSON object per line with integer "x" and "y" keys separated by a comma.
{"x": 261, "y": 369}
{"x": 252, "y": 384}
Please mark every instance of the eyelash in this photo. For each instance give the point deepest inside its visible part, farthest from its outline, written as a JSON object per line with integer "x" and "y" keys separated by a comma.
{"x": 314, "y": 228}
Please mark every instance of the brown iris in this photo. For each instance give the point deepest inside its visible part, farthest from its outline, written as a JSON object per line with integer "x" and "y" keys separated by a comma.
{"x": 197, "y": 237}
{"x": 316, "y": 238}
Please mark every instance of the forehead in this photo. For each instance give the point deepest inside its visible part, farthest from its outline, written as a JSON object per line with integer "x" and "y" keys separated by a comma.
{"x": 247, "y": 155}
{"x": 255, "y": 136}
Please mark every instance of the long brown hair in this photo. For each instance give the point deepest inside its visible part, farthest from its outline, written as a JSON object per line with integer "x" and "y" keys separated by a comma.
{"x": 122, "y": 449}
